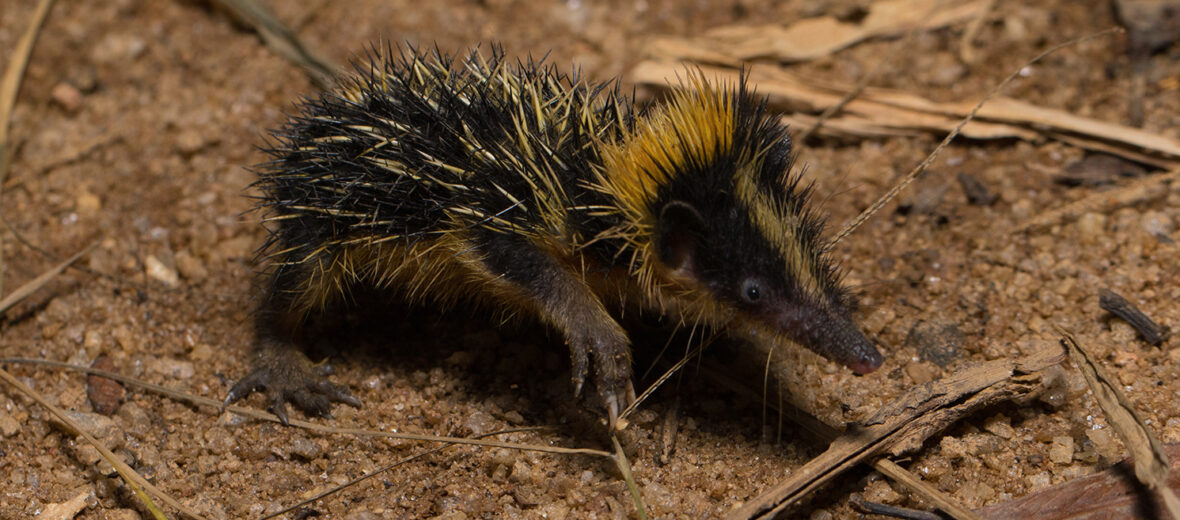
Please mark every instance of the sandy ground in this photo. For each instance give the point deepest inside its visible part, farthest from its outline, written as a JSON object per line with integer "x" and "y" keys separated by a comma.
{"x": 136, "y": 122}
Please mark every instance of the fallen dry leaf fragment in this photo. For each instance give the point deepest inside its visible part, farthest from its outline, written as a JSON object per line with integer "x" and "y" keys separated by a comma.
{"x": 885, "y": 112}
{"x": 68, "y": 509}
{"x": 1151, "y": 463}
{"x": 1110, "y": 494}
{"x": 812, "y": 38}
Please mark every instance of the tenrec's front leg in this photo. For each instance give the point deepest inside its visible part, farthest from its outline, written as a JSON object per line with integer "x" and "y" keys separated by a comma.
{"x": 279, "y": 367}
{"x": 525, "y": 275}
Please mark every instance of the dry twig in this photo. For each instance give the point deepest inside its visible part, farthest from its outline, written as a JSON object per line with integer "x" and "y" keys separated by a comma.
{"x": 1133, "y": 193}
{"x": 137, "y": 483}
{"x": 31, "y": 286}
{"x": 1115, "y": 304}
{"x": 1151, "y": 463}
{"x": 316, "y": 427}
{"x": 280, "y": 38}
{"x": 903, "y": 425}
{"x": 10, "y": 85}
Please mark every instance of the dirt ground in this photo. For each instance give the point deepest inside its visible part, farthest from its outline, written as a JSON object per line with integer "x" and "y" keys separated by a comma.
{"x": 136, "y": 122}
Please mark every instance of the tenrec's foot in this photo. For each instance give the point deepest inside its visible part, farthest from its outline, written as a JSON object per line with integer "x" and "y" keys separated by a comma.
{"x": 611, "y": 375}
{"x": 287, "y": 376}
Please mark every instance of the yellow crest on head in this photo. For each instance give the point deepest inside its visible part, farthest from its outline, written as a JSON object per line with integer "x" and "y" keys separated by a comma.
{"x": 694, "y": 127}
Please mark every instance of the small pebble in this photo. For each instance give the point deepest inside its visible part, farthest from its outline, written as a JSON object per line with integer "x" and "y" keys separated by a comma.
{"x": 953, "y": 447}
{"x": 201, "y": 352}
{"x": 121, "y": 514}
{"x": 156, "y": 270}
{"x": 645, "y": 417}
{"x": 92, "y": 340}
{"x": 878, "y": 319}
{"x": 1061, "y": 449}
{"x": 1171, "y": 432}
{"x": 920, "y": 372}
{"x": 1098, "y": 170}
{"x": 118, "y": 48}
{"x": 237, "y": 248}
{"x": 977, "y": 193}
{"x": 87, "y": 204}
{"x": 67, "y": 96}
{"x": 306, "y": 449}
{"x": 1039, "y": 481}
{"x": 191, "y": 141}
{"x": 173, "y": 368}
{"x": 522, "y": 472}
{"x": 938, "y": 342}
{"x": 554, "y": 511}
{"x": 126, "y": 339}
{"x": 134, "y": 419}
{"x": 1022, "y": 210}
{"x": 881, "y": 492}
{"x": 219, "y": 441}
{"x": 1092, "y": 227}
{"x": 925, "y": 201}
{"x": 1105, "y": 444}
{"x": 104, "y": 394}
{"x": 499, "y": 473}
{"x": 820, "y": 514}
{"x": 479, "y": 423}
{"x": 514, "y": 417}
{"x": 659, "y": 496}
{"x": 976, "y": 493}
{"x": 948, "y": 75}
{"x": 1158, "y": 223}
{"x": 8, "y": 424}
{"x": 99, "y": 426}
{"x": 1000, "y": 425}
{"x": 191, "y": 267}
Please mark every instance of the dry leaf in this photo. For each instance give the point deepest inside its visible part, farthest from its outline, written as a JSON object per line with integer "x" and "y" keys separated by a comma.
{"x": 1109, "y": 494}
{"x": 68, "y": 509}
{"x": 889, "y": 112}
{"x": 1151, "y": 463}
{"x": 812, "y": 38}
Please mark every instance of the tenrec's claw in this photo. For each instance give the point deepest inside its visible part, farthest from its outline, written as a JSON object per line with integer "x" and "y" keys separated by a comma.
{"x": 289, "y": 377}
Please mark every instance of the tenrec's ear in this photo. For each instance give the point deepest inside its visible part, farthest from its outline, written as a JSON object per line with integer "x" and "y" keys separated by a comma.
{"x": 678, "y": 235}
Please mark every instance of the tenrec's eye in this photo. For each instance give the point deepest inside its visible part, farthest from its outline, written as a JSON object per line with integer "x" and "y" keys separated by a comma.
{"x": 751, "y": 290}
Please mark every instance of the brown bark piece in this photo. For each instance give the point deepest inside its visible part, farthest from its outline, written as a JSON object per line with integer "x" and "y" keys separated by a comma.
{"x": 1113, "y": 493}
{"x": 1152, "y": 332}
{"x": 1151, "y": 463}
{"x": 904, "y": 424}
